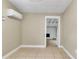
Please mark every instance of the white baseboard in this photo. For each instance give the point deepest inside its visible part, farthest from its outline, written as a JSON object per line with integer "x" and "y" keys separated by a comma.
{"x": 34, "y": 46}
{"x": 67, "y": 52}
{"x": 14, "y": 50}
{"x": 11, "y": 52}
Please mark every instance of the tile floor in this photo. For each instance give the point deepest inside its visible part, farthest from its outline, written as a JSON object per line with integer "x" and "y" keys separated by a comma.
{"x": 51, "y": 52}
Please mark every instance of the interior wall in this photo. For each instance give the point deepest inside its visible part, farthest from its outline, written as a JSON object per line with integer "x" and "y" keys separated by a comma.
{"x": 33, "y": 28}
{"x": 69, "y": 26}
{"x": 10, "y": 30}
{"x": 52, "y": 31}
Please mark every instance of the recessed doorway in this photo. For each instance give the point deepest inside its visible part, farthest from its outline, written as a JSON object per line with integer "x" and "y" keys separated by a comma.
{"x": 52, "y": 30}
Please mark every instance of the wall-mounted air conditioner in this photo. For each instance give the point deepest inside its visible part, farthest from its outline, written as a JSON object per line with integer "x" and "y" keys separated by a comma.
{"x": 14, "y": 14}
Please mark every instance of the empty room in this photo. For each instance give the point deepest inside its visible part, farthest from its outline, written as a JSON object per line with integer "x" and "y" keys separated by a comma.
{"x": 39, "y": 29}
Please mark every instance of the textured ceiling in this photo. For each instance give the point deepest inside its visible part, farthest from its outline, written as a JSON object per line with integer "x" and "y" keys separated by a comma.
{"x": 41, "y": 6}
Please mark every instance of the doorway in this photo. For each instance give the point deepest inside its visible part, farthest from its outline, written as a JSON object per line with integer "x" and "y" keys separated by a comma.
{"x": 52, "y": 30}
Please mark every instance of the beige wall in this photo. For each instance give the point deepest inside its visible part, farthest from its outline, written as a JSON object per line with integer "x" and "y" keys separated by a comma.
{"x": 69, "y": 28}
{"x": 33, "y": 28}
{"x": 10, "y": 30}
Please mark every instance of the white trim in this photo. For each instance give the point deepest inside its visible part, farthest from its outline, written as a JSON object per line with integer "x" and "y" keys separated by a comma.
{"x": 58, "y": 33}
{"x": 33, "y": 46}
{"x": 22, "y": 46}
{"x": 67, "y": 52}
{"x": 45, "y": 33}
{"x": 11, "y": 52}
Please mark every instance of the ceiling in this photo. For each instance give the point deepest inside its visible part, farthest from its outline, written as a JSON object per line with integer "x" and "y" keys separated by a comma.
{"x": 52, "y": 22}
{"x": 41, "y": 6}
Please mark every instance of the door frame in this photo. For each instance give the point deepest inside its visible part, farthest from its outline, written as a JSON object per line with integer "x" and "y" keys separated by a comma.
{"x": 58, "y": 30}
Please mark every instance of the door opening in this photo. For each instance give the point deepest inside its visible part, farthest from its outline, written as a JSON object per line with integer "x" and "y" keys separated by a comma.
{"x": 52, "y": 30}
